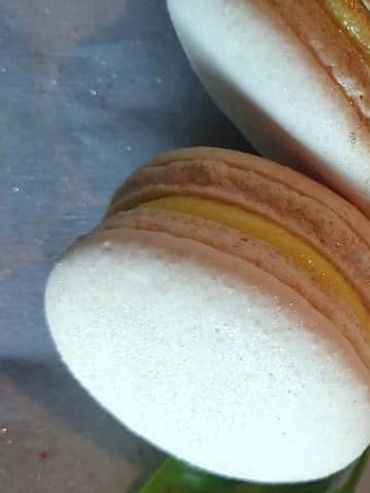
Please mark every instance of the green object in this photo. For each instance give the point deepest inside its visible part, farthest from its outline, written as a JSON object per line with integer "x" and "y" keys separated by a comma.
{"x": 176, "y": 477}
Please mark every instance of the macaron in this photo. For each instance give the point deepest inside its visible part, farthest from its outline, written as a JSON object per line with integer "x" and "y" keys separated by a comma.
{"x": 221, "y": 311}
{"x": 293, "y": 76}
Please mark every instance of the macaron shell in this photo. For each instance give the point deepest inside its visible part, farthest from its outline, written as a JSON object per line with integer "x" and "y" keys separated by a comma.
{"x": 100, "y": 327}
{"x": 243, "y": 161}
{"x": 278, "y": 94}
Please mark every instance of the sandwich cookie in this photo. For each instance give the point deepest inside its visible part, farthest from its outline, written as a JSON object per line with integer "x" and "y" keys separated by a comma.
{"x": 221, "y": 312}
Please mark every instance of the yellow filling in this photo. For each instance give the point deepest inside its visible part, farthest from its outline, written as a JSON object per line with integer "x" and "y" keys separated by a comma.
{"x": 259, "y": 227}
{"x": 354, "y": 19}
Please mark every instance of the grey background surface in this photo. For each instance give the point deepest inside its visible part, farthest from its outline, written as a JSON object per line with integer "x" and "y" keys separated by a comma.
{"x": 89, "y": 90}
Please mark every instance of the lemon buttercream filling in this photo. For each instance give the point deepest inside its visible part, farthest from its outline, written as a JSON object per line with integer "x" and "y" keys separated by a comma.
{"x": 353, "y": 18}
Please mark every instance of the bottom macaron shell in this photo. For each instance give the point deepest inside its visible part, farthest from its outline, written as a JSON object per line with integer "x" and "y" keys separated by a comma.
{"x": 208, "y": 357}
